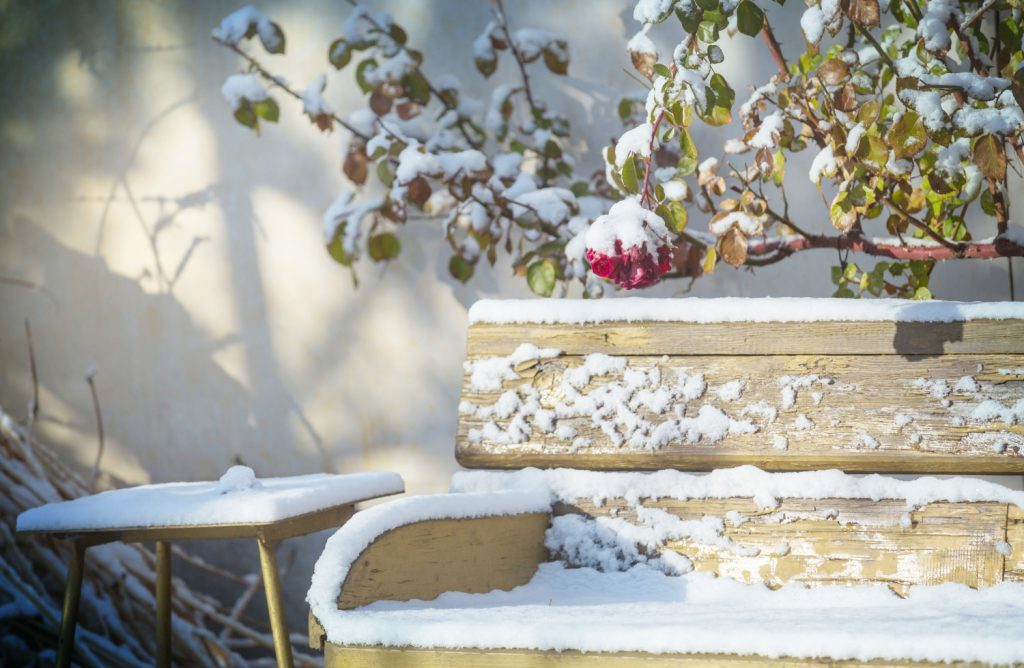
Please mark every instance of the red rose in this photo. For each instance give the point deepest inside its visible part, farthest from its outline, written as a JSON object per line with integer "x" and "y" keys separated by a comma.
{"x": 664, "y": 259}
{"x": 605, "y": 266}
{"x": 639, "y": 269}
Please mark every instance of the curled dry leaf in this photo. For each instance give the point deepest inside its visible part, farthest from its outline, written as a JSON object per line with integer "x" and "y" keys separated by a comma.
{"x": 407, "y": 110}
{"x": 732, "y": 247}
{"x": 643, "y": 62}
{"x": 834, "y": 72}
{"x": 355, "y": 167}
{"x": 865, "y": 13}
{"x": 380, "y": 101}
{"x": 765, "y": 161}
{"x": 990, "y": 158}
{"x": 845, "y": 99}
{"x": 419, "y": 191}
{"x": 324, "y": 122}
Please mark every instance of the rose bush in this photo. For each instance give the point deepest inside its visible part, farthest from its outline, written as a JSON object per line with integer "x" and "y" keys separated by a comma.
{"x": 913, "y": 114}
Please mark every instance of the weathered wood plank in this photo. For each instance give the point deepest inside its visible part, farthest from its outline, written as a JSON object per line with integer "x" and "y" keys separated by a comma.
{"x": 838, "y": 541}
{"x": 425, "y": 559}
{"x": 756, "y": 338}
{"x": 337, "y": 656}
{"x": 785, "y": 412}
{"x": 1014, "y": 566}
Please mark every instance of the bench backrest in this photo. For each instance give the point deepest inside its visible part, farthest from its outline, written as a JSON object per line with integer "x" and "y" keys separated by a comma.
{"x": 786, "y": 385}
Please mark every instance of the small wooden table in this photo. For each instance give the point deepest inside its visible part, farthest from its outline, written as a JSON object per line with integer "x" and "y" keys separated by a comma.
{"x": 288, "y": 521}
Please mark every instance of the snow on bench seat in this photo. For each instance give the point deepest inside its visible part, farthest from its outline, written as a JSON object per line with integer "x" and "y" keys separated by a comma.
{"x": 645, "y": 610}
{"x": 237, "y": 498}
{"x": 643, "y": 600}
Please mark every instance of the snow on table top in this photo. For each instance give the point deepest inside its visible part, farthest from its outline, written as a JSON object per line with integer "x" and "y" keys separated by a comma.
{"x": 568, "y": 485}
{"x": 345, "y": 546}
{"x": 644, "y": 610}
{"x": 735, "y": 309}
{"x": 235, "y": 499}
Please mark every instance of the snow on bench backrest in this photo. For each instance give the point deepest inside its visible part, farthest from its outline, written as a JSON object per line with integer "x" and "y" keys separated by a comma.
{"x": 785, "y": 384}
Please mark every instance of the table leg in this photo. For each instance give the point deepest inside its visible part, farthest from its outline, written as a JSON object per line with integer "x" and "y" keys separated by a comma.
{"x": 69, "y": 614}
{"x": 163, "y": 604}
{"x": 275, "y": 603}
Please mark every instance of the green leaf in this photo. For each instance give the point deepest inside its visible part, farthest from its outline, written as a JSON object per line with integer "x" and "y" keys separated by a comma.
{"x": 267, "y": 110}
{"x": 907, "y": 136}
{"x": 625, "y": 108}
{"x": 555, "y": 59}
{"x": 246, "y": 116}
{"x": 383, "y": 246}
{"x": 486, "y": 64}
{"x": 276, "y": 43}
{"x": 339, "y": 54}
{"x": 337, "y": 250}
{"x": 715, "y": 54}
{"x": 365, "y": 85}
{"x": 416, "y": 86}
{"x": 661, "y": 70}
{"x": 630, "y": 175}
{"x": 922, "y": 293}
{"x": 724, "y": 95}
{"x": 710, "y": 258}
{"x": 384, "y": 173}
{"x": 674, "y": 214}
{"x": 687, "y": 145}
{"x": 707, "y": 32}
{"x": 460, "y": 268}
{"x": 749, "y": 18}
{"x": 779, "y": 172}
{"x": 541, "y": 277}
{"x": 397, "y": 33}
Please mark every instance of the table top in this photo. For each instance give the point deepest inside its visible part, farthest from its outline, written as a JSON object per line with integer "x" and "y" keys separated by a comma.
{"x": 212, "y": 509}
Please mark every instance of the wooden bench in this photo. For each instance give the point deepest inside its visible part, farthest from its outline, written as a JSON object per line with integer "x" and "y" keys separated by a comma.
{"x": 636, "y": 391}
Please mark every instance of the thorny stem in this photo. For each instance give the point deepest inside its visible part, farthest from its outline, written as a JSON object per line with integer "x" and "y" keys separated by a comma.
{"x": 999, "y": 205}
{"x": 977, "y": 14}
{"x": 859, "y": 244}
{"x": 535, "y": 111}
{"x": 878, "y": 47}
{"x": 775, "y": 48}
{"x": 924, "y": 227}
{"x": 503, "y": 19}
{"x": 277, "y": 81}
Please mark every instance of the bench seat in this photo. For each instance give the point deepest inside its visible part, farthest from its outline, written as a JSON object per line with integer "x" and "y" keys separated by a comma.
{"x": 741, "y": 565}
{"x": 645, "y": 610}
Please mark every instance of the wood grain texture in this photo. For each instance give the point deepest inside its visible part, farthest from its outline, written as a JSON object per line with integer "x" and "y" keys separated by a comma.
{"x": 337, "y": 656}
{"x": 838, "y": 541}
{"x": 1014, "y": 568}
{"x": 869, "y": 413}
{"x": 756, "y": 338}
{"x": 423, "y": 560}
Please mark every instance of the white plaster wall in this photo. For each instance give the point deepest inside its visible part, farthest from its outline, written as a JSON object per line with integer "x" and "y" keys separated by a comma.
{"x": 181, "y": 255}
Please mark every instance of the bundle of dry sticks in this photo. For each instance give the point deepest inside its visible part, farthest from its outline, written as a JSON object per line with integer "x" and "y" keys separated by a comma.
{"x": 117, "y": 614}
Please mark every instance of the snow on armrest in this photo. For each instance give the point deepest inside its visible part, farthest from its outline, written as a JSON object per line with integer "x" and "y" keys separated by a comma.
{"x": 345, "y": 550}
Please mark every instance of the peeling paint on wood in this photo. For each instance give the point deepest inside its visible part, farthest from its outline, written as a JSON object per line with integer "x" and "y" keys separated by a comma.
{"x": 863, "y": 413}
{"x": 840, "y": 541}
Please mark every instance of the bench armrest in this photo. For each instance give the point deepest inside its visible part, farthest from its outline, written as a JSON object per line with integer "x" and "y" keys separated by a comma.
{"x": 421, "y": 547}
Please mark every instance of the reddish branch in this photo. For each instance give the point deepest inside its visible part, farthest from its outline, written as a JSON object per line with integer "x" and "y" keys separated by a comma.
{"x": 770, "y": 251}
{"x": 775, "y": 48}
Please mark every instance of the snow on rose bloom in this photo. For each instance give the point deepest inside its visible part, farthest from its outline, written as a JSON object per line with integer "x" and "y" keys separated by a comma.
{"x": 628, "y": 246}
